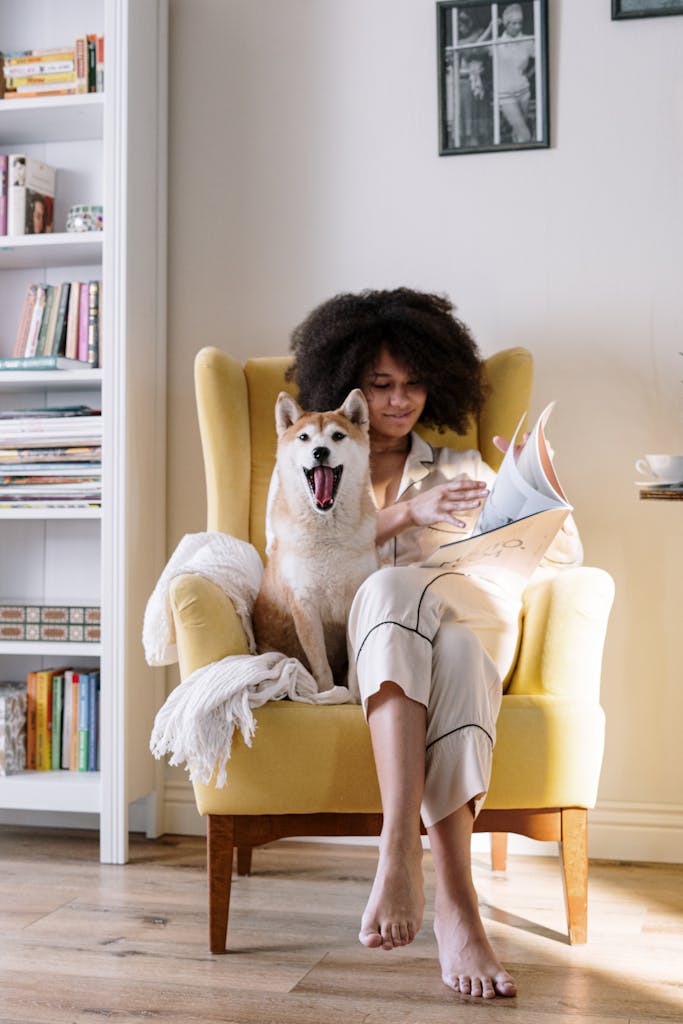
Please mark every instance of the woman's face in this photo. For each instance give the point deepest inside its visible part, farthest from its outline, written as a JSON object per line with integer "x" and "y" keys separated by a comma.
{"x": 395, "y": 398}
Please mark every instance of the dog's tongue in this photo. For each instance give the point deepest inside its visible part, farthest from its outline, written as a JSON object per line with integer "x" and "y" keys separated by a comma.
{"x": 323, "y": 481}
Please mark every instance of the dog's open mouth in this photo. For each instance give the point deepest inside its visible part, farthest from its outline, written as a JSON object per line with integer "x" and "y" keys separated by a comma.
{"x": 324, "y": 481}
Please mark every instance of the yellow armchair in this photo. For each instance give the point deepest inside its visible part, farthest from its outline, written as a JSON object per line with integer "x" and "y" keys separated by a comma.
{"x": 310, "y": 770}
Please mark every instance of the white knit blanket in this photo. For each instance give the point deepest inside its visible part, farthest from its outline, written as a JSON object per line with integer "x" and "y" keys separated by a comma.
{"x": 196, "y": 725}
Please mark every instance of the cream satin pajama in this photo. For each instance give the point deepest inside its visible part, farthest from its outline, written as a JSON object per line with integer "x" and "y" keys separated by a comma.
{"x": 448, "y": 640}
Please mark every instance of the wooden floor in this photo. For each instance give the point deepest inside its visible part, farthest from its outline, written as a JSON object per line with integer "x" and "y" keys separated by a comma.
{"x": 82, "y": 942}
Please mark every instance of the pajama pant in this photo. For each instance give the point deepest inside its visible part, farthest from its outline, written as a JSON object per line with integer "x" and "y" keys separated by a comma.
{"x": 448, "y": 641}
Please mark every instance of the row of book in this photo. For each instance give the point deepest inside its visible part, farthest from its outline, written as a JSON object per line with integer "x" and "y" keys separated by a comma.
{"x": 27, "y": 195}
{"x": 51, "y": 457}
{"x": 59, "y": 327}
{"x": 62, "y": 720}
{"x": 61, "y": 71}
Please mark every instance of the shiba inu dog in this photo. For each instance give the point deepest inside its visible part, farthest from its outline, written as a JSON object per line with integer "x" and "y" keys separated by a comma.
{"x": 323, "y": 521}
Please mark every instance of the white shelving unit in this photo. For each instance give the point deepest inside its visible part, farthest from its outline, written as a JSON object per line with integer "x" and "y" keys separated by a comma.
{"x": 108, "y": 148}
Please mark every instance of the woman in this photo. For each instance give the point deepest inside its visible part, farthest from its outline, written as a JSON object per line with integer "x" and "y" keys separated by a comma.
{"x": 428, "y": 649}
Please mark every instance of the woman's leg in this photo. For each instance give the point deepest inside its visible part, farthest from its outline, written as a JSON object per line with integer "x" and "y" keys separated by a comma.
{"x": 468, "y": 963}
{"x": 393, "y": 914}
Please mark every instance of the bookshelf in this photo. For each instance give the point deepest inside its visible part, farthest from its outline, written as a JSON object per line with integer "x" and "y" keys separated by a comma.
{"x": 110, "y": 148}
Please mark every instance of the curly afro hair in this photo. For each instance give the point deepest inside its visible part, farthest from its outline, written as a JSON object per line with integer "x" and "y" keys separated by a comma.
{"x": 341, "y": 339}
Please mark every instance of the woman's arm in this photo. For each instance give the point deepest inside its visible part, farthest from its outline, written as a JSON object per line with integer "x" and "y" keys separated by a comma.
{"x": 436, "y": 505}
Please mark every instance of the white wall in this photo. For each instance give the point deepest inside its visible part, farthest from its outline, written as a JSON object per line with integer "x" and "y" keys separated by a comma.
{"x": 304, "y": 162}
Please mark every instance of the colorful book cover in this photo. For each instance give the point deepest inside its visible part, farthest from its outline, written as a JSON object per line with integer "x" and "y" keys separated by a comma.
{"x": 66, "y": 718}
{"x": 73, "y": 744}
{"x": 83, "y": 720}
{"x": 25, "y": 321}
{"x": 93, "y": 720}
{"x": 57, "y": 714}
{"x": 83, "y": 314}
{"x": 59, "y": 341}
{"x": 31, "y": 343}
{"x": 31, "y": 196}
{"x": 44, "y": 719}
{"x": 31, "y": 689}
{"x": 45, "y": 319}
{"x": 49, "y": 341}
{"x": 94, "y": 323}
{"x": 72, "y": 321}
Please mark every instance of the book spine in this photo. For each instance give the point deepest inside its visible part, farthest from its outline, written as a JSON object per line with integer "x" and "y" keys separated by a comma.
{"x": 93, "y": 353}
{"x": 83, "y": 322}
{"x": 100, "y": 63}
{"x": 36, "y": 320}
{"x": 81, "y": 63}
{"x": 52, "y": 321}
{"x": 16, "y": 194}
{"x": 39, "y": 78}
{"x": 83, "y": 717}
{"x": 43, "y": 363}
{"x": 4, "y": 166}
{"x": 59, "y": 344}
{"x": 93, "y": 720}
{"x": 45, "y": 319}
{"x": 36, "y": 59}
{"x": 31, "y": 720}
{"x": 43, "y": 720}
{"x": 66, "y": 718}
{"x": 92, "y": 63}
{"x": 73, "y": 320}
{"x": 73, "y": 745}
{"x": 26, "y": 313}
{"x": 57, "y": 713}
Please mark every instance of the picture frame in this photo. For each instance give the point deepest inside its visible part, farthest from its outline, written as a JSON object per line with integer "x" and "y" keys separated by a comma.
{"x": 623, "y": 9}
{"x": 492, "y": 75}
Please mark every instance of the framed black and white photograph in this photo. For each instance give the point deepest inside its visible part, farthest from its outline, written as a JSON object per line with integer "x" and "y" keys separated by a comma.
{"x": 492, "y": 76}
{"x": 644, "y": 8}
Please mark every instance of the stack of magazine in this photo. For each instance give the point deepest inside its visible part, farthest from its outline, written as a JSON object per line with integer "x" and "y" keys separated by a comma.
{"x": 51, "y": 457}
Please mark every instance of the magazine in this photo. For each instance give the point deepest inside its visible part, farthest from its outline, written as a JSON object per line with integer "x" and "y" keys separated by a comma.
{"x": 30, "y": 196}
{"x": 519, "y": 519}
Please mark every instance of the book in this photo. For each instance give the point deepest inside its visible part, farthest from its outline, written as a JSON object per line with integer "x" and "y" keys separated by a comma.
{"x": 520, "y": 518}
{"x": 83, "y": 721}
{"x": 30, "y": 195}
{"x": 74, "y": 693}
{"x": 59, "y": 340}
{"x": 31, "y": 343}
{"x": 83, "y": 317}
{"x": 93, "y": 720}
{"x": 4, "y": 165}
{"x": 47, "y": 311}
{"x": 44, "y": 363}
{"x": 81, "y": 61}
{"x": 99, "y": 66}
{"x": 31, "y": 684}
{"x": 12, "y": 727}
{"x": 93, "y": 354}
{"x": 25, "y": 320}
{"x": 43, "y": 718}
{"x": 71, "y": 350}
{"x": 49, "y": 340}
{"x": 57, "y": 714}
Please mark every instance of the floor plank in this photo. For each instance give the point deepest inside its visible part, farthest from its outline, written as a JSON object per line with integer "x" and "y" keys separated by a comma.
{"x": 83, "y": 941}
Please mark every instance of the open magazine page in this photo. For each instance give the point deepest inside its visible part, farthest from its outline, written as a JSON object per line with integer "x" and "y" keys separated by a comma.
{"x": 520, "y": 518}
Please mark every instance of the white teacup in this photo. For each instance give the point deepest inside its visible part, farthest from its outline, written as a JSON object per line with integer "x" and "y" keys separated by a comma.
{"x": 665, "y": 469}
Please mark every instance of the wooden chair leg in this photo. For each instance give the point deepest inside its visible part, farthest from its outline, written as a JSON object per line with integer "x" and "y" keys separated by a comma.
{"x": 499, "y": 851}
{"x": 574, "y": 847}
{"x": 219, "y": 850}
{"x": 244, "y": 859}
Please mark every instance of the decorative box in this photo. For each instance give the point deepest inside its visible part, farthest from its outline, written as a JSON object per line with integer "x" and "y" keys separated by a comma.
{"x": 61, "y": 622}
{"x": 12, "y": 728}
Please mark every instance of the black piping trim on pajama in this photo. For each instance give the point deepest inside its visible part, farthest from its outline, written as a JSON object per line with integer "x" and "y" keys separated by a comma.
{"x": 410, "y": 629}
{"x": 469, "y": 725}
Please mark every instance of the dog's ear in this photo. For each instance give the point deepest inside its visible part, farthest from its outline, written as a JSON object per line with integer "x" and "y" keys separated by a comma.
{"x": 287, "y": 411}
{"x": 355, "y": 408}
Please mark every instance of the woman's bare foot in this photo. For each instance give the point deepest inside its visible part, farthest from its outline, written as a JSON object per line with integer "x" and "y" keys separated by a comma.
{"x": 394, "y": 910}
{"x": 468, "y": 963}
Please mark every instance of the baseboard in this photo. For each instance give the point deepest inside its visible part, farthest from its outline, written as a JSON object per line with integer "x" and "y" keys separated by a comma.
{"x": 617, "y": 830}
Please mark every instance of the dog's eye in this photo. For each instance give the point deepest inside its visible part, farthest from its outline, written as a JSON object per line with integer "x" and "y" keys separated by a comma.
{"x": 338, "y": 436}
{"x": 303, "y": 437}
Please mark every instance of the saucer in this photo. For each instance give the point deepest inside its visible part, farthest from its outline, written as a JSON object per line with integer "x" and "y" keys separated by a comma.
{"x": 658, "y": 485}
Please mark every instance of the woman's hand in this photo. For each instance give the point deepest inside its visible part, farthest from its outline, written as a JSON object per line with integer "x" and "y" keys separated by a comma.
{"x": 439, "y": 504}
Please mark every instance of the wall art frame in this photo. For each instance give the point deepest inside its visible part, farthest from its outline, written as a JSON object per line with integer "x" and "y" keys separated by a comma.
{"x": 492, "y": 61}
{"x": 624, "y": 9}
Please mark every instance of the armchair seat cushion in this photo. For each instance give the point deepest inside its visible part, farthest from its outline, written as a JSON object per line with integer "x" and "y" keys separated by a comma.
{"x": 307, "y": 759}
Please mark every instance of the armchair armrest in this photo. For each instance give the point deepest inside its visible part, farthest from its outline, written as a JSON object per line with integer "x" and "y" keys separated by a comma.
{"x": 206, "y": 624}
{"x": 563, "y": 635}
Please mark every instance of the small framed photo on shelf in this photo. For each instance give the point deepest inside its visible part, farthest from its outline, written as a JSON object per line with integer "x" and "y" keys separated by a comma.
{"x": 644, "y": 8}
{"x": 492, "y": 76}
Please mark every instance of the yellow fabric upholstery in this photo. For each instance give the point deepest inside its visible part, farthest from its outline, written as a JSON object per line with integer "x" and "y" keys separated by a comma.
{"x": 308, "y": 759}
